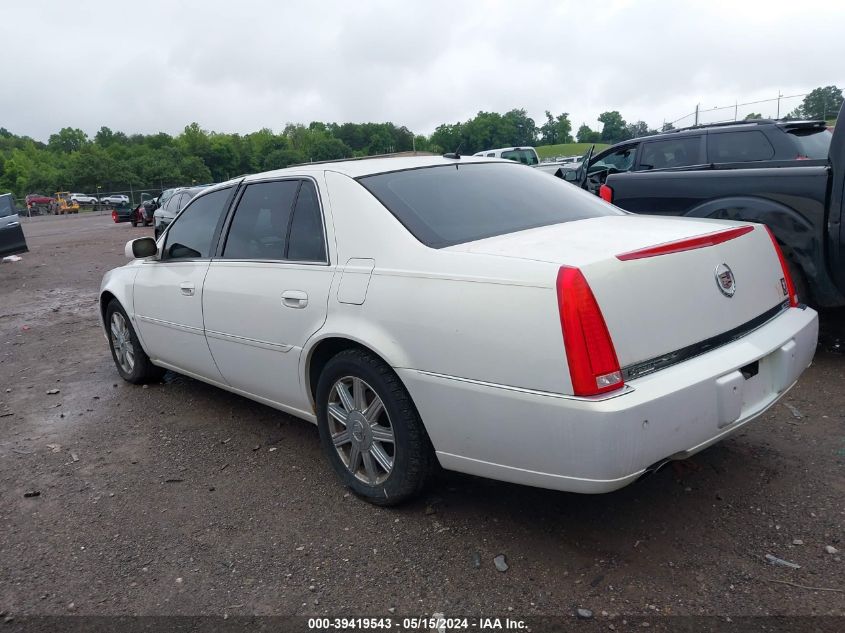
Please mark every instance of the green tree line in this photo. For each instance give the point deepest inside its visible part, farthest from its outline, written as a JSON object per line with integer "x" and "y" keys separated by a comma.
{"x": 113, "y": 161}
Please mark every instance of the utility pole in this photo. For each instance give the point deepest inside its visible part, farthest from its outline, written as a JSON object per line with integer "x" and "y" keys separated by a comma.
{"x": 779, "y": 96}
{"x": 736, "y": 105}
{"x": 696, "y": 113}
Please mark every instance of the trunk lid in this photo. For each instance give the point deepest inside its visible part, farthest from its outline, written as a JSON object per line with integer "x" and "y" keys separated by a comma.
{"x": 660, "y": 303}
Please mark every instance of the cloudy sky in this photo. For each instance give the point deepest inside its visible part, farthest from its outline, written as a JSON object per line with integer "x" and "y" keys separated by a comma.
{"x": 148, "y": 66}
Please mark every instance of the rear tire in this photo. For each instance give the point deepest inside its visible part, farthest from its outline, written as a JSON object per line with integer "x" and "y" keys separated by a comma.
{"x": 383, "y": 471}
{"x": 129, "y": 357}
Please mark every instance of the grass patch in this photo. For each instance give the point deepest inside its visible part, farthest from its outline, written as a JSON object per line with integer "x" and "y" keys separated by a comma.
{"x": 568, "y": 149}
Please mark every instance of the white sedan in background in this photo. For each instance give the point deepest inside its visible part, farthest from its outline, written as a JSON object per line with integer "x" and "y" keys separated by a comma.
{"x": 472, "y": 312}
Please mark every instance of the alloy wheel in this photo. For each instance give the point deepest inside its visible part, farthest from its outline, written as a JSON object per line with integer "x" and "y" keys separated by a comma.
{"x": 122, "y": 342}
{"x": 361, "y": 431}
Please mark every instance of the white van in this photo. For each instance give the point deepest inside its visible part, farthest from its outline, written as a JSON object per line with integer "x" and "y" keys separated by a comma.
{"x": 524, "y": 155}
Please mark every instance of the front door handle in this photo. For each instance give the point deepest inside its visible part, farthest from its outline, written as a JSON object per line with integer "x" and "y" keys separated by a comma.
{"x": 11, "y": 224}
{"x": 187, "y": 288}
{"x": 294, "y": 299}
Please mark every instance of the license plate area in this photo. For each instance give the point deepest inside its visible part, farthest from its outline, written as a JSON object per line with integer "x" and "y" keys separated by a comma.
{"x": 745, "y": 391}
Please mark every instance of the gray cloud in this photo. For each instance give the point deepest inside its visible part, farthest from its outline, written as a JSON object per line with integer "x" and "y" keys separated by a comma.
{"x": 156, "y": 66}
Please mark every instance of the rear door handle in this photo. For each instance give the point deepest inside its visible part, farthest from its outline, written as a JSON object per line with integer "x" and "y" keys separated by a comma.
{"x": 294, "y": 299}
{"x": 187, "y": 288}
{"x": 11, "y": 224}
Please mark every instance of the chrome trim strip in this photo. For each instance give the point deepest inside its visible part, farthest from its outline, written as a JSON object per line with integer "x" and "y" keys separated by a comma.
{"x": 233, "y": 338}
{"x": 170, "y": 324}
{"x": 534, "y": 392}
{"x": 646, "y": 367}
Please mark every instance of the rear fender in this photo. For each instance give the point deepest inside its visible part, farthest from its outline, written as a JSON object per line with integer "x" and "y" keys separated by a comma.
{"x": 793, "y": 231}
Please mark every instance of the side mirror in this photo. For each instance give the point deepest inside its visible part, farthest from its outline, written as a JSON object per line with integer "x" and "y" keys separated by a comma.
{"x": 140, "y": 248}
{"x": 571, "y": 175}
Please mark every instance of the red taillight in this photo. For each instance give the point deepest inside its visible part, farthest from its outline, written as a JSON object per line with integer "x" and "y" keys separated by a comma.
{"x": 786, "y": 281}
{"x": 114, "y": 216}
{"x": 606, "y": 193}
{"x": 686, "y": 244}
{"x": 593, "y": 365}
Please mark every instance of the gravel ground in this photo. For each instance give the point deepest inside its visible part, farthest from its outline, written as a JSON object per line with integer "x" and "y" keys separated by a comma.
{"x": 184, "y": 499}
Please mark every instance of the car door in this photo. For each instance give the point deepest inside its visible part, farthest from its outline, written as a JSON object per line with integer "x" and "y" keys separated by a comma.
{"x": 168, "y": 290}
{"x": 619, "y": 160}
{"x": 267, "y": 292}
{"x": 12, "y": 240}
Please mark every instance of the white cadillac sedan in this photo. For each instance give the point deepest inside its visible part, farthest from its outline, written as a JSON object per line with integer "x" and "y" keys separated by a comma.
{"x": 474, "y": 313}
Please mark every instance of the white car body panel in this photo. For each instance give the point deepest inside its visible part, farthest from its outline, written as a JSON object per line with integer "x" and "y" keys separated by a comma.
{"x": 474, "y": 331}
{"x": 169, "y": 316}
{"x": 566, "y": 443}
{"x": 258, "y": 344}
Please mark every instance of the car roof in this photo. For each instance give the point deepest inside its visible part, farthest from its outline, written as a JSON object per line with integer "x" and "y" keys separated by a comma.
{"x": 357, "y": 168}
{"x": 727, "y": 126}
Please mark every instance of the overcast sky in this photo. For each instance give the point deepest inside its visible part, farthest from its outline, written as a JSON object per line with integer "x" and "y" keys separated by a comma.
{"x": 149, "y": 66}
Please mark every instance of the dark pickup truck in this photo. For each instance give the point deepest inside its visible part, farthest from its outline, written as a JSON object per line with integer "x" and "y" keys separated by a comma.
{"x": 801, "y": 201}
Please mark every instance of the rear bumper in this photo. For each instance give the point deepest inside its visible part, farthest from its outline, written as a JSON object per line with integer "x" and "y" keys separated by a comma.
{"x": 594, "y": 446}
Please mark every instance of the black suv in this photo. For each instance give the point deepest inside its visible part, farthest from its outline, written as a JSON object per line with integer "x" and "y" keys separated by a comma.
{"x": 716, "y": 144}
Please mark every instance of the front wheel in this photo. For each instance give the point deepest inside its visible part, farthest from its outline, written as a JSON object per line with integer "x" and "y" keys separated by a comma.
{"x": 129, "y": 357}
{"x": 370, "y": 430}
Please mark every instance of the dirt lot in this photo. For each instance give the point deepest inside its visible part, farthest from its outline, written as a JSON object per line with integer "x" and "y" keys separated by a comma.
{"x": 183, "y": 499}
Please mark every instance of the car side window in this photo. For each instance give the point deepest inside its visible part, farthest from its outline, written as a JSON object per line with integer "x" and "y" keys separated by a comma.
{"x": 261, "y": 222}
{"x": 172, "y": 205}
{"x": 739, "y": 147}
{"x": 306, "y": 242}
{"x": 192, "y": 234}
{"x": 675, "y": 152}
{"x": 6, "y": 206}
{"x": 618, "y": 161}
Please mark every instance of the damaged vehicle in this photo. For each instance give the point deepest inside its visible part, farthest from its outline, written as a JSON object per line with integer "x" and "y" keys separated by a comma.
{"x": 12, "y": 240}
{"x": 468, "y": 312}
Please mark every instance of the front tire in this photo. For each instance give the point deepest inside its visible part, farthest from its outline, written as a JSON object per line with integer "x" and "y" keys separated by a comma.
{"x": 370, "y": 430}
{"x": 129, "y": 357}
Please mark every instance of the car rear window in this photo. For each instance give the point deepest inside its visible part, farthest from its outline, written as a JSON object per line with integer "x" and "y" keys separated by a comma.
{"x": 812, "y": 143}
{"x": 739, "y": 147}
{"x": 452, "y": 204}
{"x": 524, "y": 156}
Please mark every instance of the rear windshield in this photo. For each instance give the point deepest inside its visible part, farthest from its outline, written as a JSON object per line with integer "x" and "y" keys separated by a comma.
{"x": 812, "y": 143}
{"x": 524, "y": 156}
{"x": 452, "y": 204}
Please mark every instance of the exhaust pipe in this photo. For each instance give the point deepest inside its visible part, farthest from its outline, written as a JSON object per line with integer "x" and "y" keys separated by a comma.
{"x": 655, "y": 467}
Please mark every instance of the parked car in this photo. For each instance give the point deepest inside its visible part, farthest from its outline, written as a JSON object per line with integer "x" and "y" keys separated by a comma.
{"x": 37, "y": 198}
{"x": 123, "y": 212}
{"x": 405, "y": 308}
{"x": 524, "y": 155}
{"x": 173, "y": 201}
{"x": 12, "y": 240}
{"x": 37, "y": 203}
{"x": 758, "y": 141}
{"x": 143, "y": 213}
{"x": 800, "y": 201}
{"x": 115, "y": 199}
{"x": 83, "y": 198}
